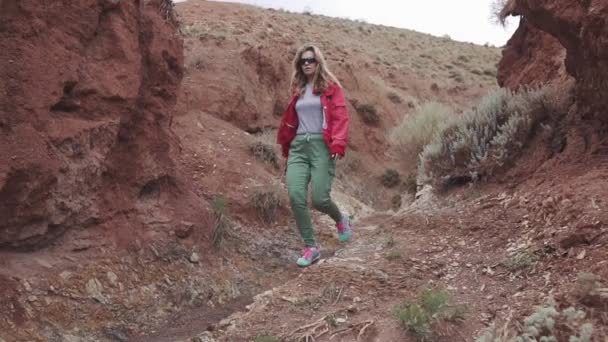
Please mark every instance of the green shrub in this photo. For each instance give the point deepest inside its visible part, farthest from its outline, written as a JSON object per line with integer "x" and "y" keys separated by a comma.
{"x": 432, "y": 307}
{"x": 520, "y": 261}
{"x": 483, "y": 140}
{"x": 418, "y": 129}
{"x": 390, "y": 178}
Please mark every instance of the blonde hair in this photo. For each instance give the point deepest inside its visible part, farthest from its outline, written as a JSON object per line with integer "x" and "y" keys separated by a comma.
{"x": 322, "y": 77}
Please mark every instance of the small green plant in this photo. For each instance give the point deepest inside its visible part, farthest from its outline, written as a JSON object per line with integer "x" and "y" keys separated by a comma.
{"x": 432, "y": 307}
{"x": 520, "y": 261}
{"x": 266, "y": 338}
{"x": 390, "y": 178}
{"x": 393, "y": 255}
{"x": 220, "y": 220}
{"x": 266, "y": 203}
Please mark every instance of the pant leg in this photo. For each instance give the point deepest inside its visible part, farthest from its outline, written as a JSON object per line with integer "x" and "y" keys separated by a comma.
{"x": 323, "y": 171}
{"x": 298, "y": 178}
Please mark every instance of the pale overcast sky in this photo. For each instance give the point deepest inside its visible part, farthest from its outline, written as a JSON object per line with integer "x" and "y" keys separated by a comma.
{"x": 467, "y": 20}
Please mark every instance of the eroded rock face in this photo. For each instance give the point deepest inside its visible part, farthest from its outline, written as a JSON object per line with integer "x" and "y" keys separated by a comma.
{"x": 85, "y": 105}
{"x": 531, "y": 57}
{"x": 581, "y": 28}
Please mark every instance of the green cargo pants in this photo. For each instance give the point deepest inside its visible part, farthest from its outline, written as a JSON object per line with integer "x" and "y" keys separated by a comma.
{"x": 310, "y": 160}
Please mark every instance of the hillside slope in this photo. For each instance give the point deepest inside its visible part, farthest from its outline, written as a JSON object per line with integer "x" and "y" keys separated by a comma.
{"x": 238, "y": 68}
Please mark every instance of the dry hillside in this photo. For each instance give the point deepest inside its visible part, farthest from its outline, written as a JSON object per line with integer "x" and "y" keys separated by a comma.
{"x": 238, "y": 67}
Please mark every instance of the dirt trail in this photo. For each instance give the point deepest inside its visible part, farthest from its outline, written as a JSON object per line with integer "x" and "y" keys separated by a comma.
{"x": 459, "y": 244}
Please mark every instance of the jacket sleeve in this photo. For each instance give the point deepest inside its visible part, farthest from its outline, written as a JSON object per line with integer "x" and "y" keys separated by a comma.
{"x": 339, "y": 123}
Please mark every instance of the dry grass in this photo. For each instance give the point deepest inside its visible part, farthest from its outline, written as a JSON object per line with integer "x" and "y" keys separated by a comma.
{"x": 220, "y": 221}
{"x": 267, "y": 201}
{"x": 264, "y": 148}
{"x": 418, "y": 129}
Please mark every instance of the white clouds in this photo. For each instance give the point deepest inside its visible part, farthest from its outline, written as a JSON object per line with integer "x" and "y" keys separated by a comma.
{"x": 467, "y": 20}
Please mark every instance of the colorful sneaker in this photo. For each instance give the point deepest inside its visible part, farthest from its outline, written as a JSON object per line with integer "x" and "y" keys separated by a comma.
{"x": 344, "y": 229}
{"x": 309, "y": 256}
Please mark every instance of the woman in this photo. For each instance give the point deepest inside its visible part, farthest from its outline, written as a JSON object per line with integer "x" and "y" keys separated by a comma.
{"x": 313, "y": 135}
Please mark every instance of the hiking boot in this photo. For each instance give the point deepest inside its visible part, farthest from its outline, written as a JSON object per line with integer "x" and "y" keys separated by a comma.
{"x": 344, "y": 229}
{"x": 309, "y": 256}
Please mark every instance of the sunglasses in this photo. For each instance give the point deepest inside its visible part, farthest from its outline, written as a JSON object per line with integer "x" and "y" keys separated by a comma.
{"x": 307, "y": 61}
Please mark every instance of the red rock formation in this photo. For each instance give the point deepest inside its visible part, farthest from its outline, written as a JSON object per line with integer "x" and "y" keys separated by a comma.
{"x": 581, "y": 27}
{"x": 85, "y": 106}
{"x": 531, "y": 57}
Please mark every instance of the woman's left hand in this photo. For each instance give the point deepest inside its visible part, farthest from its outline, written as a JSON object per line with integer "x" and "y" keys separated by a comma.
{"x": 336, "y": 156}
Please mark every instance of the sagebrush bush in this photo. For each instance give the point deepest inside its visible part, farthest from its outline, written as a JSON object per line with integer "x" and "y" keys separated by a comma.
{"x": 419, "y": 128}
{"x": 483, "y": 140}
{"x": 546, "y": 324}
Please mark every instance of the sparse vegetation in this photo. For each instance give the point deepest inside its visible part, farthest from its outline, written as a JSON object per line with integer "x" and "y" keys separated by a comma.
{"x": 396, "y": 201}
{"x": 265, "y": 152}
{"x": 390, "y": 178}
{"x": 520, "y": 261}
{"x": 393, "y": 255}
{"x": 367, "y": 112}
{"x": 432, "y": 307}
{"x": 410, "y": 183}
{"x": 395, "y": 98}
{"x": 547, "y": 324}
{"x": 193, "y": 31}
{"x": 266, "y": 338}
{"x": 266, "y": 202}
{"x": 265, "y": 149}
{"x": 220, "y": 220}
{"x": 390, "y": 242}
{"x": 419, "y": 129}
{"x": 483, "y": 140}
